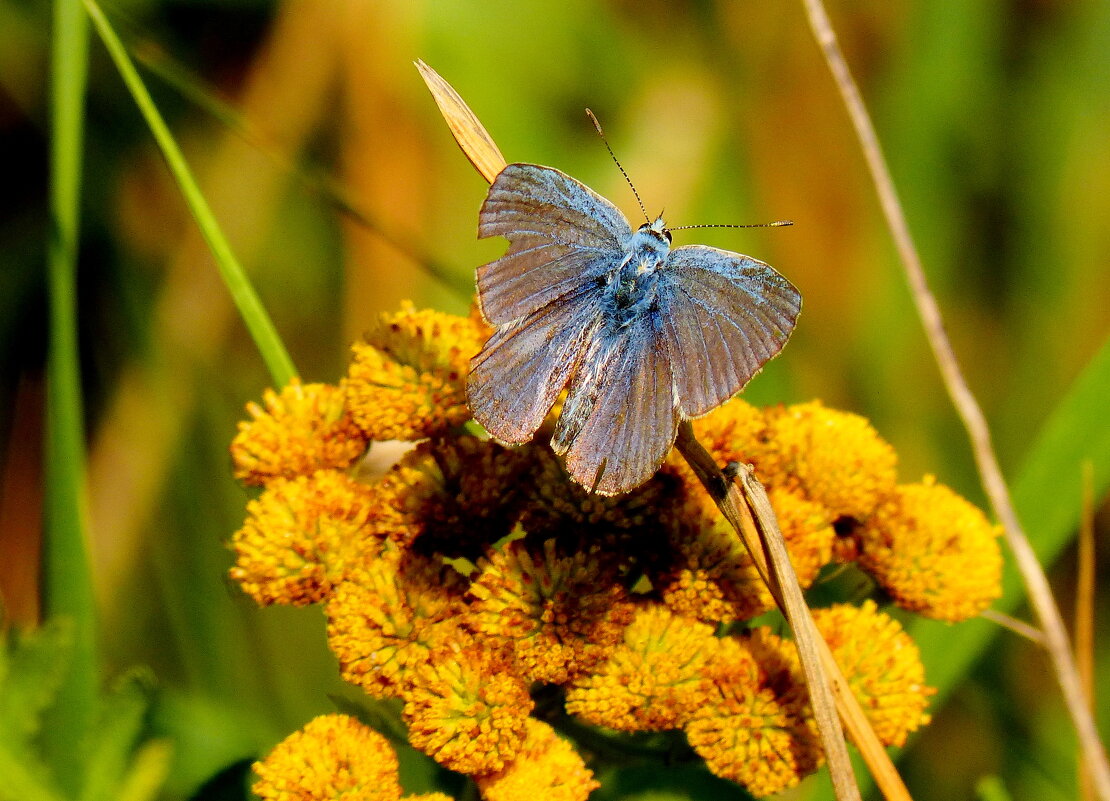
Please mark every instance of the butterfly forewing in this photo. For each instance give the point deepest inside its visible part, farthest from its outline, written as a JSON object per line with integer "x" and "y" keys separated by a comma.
{"x": 724, "y": 316}
{"x": 562, "y": 235}
{"x": 514, "y": 381}
{"x": 533, "y": 274}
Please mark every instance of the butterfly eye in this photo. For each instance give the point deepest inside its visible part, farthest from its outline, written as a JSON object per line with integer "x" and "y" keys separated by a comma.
{"x": 667, "y": 234}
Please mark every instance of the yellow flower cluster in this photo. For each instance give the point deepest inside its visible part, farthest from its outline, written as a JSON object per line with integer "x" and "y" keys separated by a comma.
{"x": 332, "y": 757}
{"x": 473, "y": 582}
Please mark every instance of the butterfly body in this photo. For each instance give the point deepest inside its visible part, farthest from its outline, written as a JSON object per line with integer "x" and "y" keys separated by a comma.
{"x": 641, "y": 336}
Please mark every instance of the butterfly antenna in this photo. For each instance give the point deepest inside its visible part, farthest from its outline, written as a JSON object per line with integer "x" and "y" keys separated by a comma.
{"x": 775, "y": 224}
{"x": 601, "y": 133}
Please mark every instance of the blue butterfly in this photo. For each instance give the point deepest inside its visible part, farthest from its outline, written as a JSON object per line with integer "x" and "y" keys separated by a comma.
{"x": 641, "y": 336}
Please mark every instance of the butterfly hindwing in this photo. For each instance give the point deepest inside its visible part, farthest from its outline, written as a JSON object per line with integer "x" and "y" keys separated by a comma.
{"x": 562, "y": 235}
{"x": 620, "y": 419}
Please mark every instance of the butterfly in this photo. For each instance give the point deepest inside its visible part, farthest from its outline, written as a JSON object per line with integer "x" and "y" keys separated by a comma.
{"x": 641, "y": 336}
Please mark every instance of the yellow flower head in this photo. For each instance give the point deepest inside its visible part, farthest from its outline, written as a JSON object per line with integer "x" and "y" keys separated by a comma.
{"x": 452, "y": 496}
{"x": 407, "y": 380}
{"x": 712, "y": 577}
{"x": 754, "y": 727}
{"x": 467, "y": 708}
{"x": 385, "y": 619}
{"x": 547, "y": 768}
{"x": 735, "y": 432}
{"x": 303, "y": 429}
{"x": 556, "y": 505}
{"x": 835, "y": 458}
{"x": 300, "y": 537}
{"x": 653, "y": 680}
{"x": 882, "y": 665}
{"x": 561, "y": 614}
{"x": 934, "y": 552}
{"x": 333, "y": 758}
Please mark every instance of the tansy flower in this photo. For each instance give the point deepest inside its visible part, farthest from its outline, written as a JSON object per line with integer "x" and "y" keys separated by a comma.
{"x": 334, "y": 757}
{"x": 753, "y": 726}
{"x": 882, "y": 665}
{"x": 452, "y": 496}
{"x": 735, "y": 432}
{"x": 560, "y": 613}
{"x": 407, "y": 380}
{"x": 556, "y": 505}
{"x": 546, "y": 768}
{"x": 300, "y": 537}
{"x": 554, "y": 605}
{"x": 303, "y": 429}
{"x": 385, "y": 619}
{"x": 934, "y": 552}
{"x": 712, "y": 577}
{"x": 835, "y": 458}
{"x": 653, "y": 680}
{"x": 467, "y": 708}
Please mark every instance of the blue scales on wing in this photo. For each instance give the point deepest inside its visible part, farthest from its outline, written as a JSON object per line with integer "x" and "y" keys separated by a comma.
{"x": 515, "y": 380}
{"x": 724, "y": 316}
{"x": 562, "y": 235}
{"x": 620, "y": 418}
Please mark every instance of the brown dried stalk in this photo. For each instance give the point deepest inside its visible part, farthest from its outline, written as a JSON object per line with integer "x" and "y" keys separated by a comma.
{"x": 474, "y": 141}
{"x": 1036, "y": 584}
{"x": 761, "y": 537}
{"x": 1085, "y": 612}
{"x": 743, "y": 502}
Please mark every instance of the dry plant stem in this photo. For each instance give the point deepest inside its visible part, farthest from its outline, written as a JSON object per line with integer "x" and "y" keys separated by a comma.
{"x": 1018, "y": 627}
{"x": 749, "y": 512}
{"x": 1085, "y": 612}
{"x": 1036, "y": 584}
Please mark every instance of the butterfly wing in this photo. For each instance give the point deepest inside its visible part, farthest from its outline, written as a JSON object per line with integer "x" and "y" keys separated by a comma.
{"x": 620, "y": 417}
{"x": 562, "y": 236}
{"x": 520, "y": 371}
{"x": 724, "y": 316}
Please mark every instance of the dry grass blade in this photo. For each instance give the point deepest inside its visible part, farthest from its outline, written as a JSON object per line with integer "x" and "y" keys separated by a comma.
{"x": 1032, "y": 574}
{"x": 750, "y": 514}
{"x": 475, "y": 143}
{"x": 1085, "y": 613}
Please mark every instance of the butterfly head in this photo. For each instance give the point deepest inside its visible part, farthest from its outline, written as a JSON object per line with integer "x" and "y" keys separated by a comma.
{"x": 657, "y": 230}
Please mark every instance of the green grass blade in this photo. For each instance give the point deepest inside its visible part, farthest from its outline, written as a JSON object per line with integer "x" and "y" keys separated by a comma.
{"x": 235, "y": 278}
{"x": 67, "y": 588}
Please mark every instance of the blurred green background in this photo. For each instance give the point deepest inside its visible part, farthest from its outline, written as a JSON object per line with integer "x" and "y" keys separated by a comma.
{"x": 994, "y": 117}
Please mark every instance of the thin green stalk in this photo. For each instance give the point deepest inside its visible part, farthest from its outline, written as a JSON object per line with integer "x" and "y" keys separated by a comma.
{"x": 67, "y": 588}
{"x": 312, "y": 178}
{"x": 250, "y": 308}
